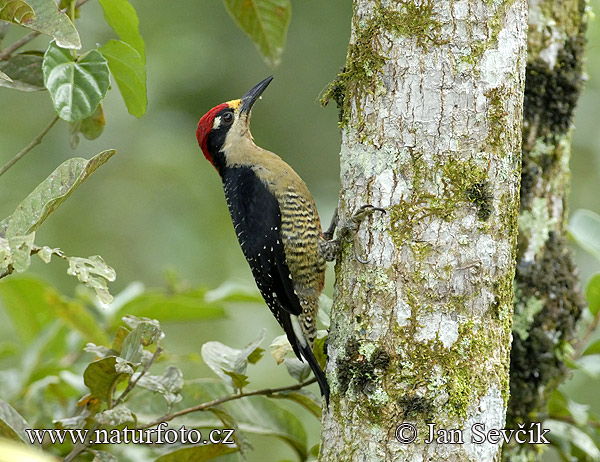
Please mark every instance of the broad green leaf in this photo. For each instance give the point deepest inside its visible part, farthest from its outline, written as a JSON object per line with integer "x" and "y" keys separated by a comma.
{"x": 573, "y": 435}
{"x": 16, "y": 11}
{"x": 91, "y": 127}
{"x": 4, "y": 78}
{"x": 304, "y": 398}
{"x": 300, "y": 370}
{"x": 24, "y": 300}
{"x": 12, "y": 424}
{"x": 590, "y": 365}
{"x": 93, "y": 272}
{"x": 593, "y": 348}
{"x": 592, "y": 294}
{"x": 584, "y": 227}
{"x": 49, "y": 20}
{"x": 324, "y": 315}
{"x": 187, "y": 306}
{"x": 169, "y": 384}
{"x": 49, "y": 194}
{"x": 129, "y": 71}
{"x": 101, "y": 377}
{"x": 238, "y": 381}
{"x": 76, "y": 87}
{"x": 255, "y": 414}
{"x": 197, "y": 453}
{"x": 144, "y": 334}
{"x": 25, "y": 71}
{"x": 11, "y": 452}
{"x": 76, "y": 316}
{"x": 266, "y": 23}
{"x": 121, "y": 16}
{"x": 224, "y": 360}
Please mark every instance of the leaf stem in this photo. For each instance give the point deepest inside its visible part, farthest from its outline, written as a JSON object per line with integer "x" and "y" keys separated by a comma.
{"x": 224, "y": 399}
{"x": 37, "y": 140}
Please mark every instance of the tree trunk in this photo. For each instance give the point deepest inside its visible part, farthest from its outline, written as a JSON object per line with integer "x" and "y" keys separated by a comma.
{"x": 548, "y": 302}
{"x": 431, "y": 110}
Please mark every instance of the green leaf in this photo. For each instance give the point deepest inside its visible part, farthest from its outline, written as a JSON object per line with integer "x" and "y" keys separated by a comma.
{"x": 24, "y": 300}
{"x": 15, "y": 252}
{"x": 129, "y": 71}
{"x": 101, "y": 377}
{"x": 197, "y": 453}
{"x": 91, "y": 127}
{"x": 300, "y": 370}
{"x": 93, "y": 272}
{"x": 16, "y": 11}
{"x": 266, "y": 23}
{"x": 590, "y": 365}
{"x": 76, "y": 316}
{"x": 49, "y": 194}
{"x": 121, "y": 16}
{"x": 234, "y": 292}
{"x": 144, "y": 334}
{"x": 187, "y": 306}
{"x": 12, "y": 424}
{"x": 4, "y": 77}
{"x": 169, "y": 385}
{"x": 224, "y": 360}
{"x": 593, "y": 348}
{"x": 25, "y": 71}
{"x": 76, "y": 87}
{"x": 592, "y": 294}
{"x": 584, "y": 227}
{"x": 304, "y": 398}
{"x": 49, "y": 20}
{"x": 573, "y": 435}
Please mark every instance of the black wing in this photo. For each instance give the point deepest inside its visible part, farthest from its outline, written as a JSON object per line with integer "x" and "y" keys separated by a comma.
{"x": 257, "y": 221}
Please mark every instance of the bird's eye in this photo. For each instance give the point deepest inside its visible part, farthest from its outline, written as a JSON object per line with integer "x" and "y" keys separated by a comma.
{"x": 227, "y": 118}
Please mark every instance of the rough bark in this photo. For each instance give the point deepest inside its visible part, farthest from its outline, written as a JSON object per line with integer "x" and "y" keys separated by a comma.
{"x": 548, "y": 302}
{"x": 431, "y": 100}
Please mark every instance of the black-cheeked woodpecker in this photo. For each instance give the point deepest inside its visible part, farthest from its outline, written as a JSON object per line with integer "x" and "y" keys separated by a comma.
{"x": 276, "y": 222}
{"x": 275, "y": 219}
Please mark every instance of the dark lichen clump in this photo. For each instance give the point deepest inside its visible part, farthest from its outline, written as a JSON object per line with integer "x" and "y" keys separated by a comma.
{"x": 356, "y": 370}
{"x": 415, "y": 406}
{"x": 480, "y": 195}
{"x": 535, "y": 361}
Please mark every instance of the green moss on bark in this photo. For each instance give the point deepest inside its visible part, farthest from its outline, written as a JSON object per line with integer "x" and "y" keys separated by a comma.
{"x": 367, "y": 53}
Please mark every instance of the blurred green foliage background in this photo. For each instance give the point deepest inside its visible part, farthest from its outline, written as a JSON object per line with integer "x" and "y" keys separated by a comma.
{"x": 158, "y": 204}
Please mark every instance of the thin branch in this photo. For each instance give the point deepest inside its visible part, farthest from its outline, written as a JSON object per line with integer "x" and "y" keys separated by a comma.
{"x": 225, "y": 399}
{"x": 29, "y": 37}
{"x": 37, "y": 140}
{"x": 133, "y": 383}
{"x": 18, "y": 44}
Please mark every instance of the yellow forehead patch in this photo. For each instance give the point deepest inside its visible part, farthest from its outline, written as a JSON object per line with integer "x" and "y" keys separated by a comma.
{"x": 234, "y": 103}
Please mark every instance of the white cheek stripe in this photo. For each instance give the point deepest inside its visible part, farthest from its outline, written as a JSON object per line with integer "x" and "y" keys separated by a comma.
{"x": 216, "y": 122}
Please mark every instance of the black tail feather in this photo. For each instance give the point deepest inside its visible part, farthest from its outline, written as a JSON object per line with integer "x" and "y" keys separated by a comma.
{"x": 319, "y": 375}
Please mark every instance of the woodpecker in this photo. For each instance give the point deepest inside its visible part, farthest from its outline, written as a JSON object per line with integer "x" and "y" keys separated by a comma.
{"x": 275, "y": 219}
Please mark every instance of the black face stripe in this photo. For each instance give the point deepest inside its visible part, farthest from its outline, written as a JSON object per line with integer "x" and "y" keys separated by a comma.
{"x": 216, "y": 138}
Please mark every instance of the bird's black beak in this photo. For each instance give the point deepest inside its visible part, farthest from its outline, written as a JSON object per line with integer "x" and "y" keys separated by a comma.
{"x": 253, "y": 94}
